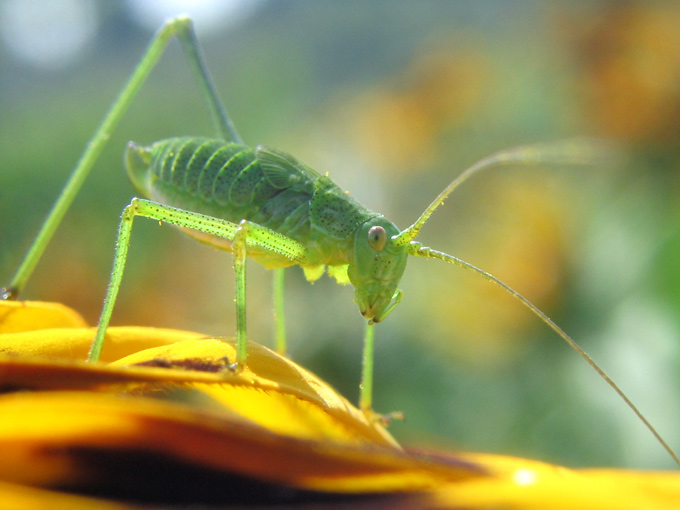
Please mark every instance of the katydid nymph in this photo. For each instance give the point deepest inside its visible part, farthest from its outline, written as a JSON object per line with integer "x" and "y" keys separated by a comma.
{"x": 265, "y": 204}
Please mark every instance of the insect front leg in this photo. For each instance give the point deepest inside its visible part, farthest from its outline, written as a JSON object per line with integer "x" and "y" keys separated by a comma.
{"x": 366, "y": 386}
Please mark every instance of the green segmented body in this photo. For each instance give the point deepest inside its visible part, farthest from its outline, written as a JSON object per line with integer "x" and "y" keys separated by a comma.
{"x": 266, "y": 186}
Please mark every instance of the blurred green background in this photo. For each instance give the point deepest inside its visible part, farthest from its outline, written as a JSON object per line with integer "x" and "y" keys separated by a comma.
{"x": 393, "y": 99}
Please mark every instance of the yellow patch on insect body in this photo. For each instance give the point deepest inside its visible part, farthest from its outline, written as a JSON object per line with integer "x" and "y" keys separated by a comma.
{"x": 339, "y": 273}
{"x": 313, "y": 273}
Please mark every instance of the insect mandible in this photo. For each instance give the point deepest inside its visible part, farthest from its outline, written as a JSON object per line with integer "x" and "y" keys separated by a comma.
{"x": 263, "y": 203}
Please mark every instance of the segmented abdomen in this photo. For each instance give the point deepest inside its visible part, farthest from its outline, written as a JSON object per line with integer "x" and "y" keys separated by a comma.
{"x": 225, "y": 180}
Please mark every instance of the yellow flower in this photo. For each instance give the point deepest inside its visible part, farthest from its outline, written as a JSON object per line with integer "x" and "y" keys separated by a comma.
{"x": 164, "y": 421}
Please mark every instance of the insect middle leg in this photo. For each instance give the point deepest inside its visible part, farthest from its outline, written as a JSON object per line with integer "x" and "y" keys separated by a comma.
{"x": 245, "y": 236}
{"x": 239, "y": 250}
{"x": 259, "y": 236}
{"x": 279, "y": 314}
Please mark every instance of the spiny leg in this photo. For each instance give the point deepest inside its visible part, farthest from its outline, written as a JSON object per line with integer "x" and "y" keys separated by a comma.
{"x": 182, "y": 28}
{"x": 257, "y": 237}
{"x": 279, "y": 312}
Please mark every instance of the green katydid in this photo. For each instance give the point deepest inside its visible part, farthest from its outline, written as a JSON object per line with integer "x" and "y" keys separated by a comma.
{"x": 265, "y": 204}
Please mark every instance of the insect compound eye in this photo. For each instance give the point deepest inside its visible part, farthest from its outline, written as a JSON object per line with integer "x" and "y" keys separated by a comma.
{"x": 377, "y": 238}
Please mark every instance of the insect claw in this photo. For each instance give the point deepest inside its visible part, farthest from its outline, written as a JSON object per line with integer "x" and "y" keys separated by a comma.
{"x": 383, "y": 419}
{"x": 7, "y": 294}
{"x": 386, "y": 419}
{"x": 226, "y": 365}
{"x": 236, "y": 368}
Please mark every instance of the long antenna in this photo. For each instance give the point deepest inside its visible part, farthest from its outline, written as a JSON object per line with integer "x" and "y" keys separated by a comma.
{"x": 571, "y": 152}
{"x": 418, "y": 250}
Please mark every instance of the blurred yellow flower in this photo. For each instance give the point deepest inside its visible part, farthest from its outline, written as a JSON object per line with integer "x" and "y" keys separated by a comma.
{"x": 398, "y": 125}
{"x": 631, "y": 54}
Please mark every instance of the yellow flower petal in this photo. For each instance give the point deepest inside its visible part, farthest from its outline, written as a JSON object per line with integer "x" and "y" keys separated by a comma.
{"x": 531, "y": 485}
{"x": 74, "y": 344}
{"x": 271, "y": 391}
{"x": 17, "y": 316}
{"x": 57, "y": 438}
